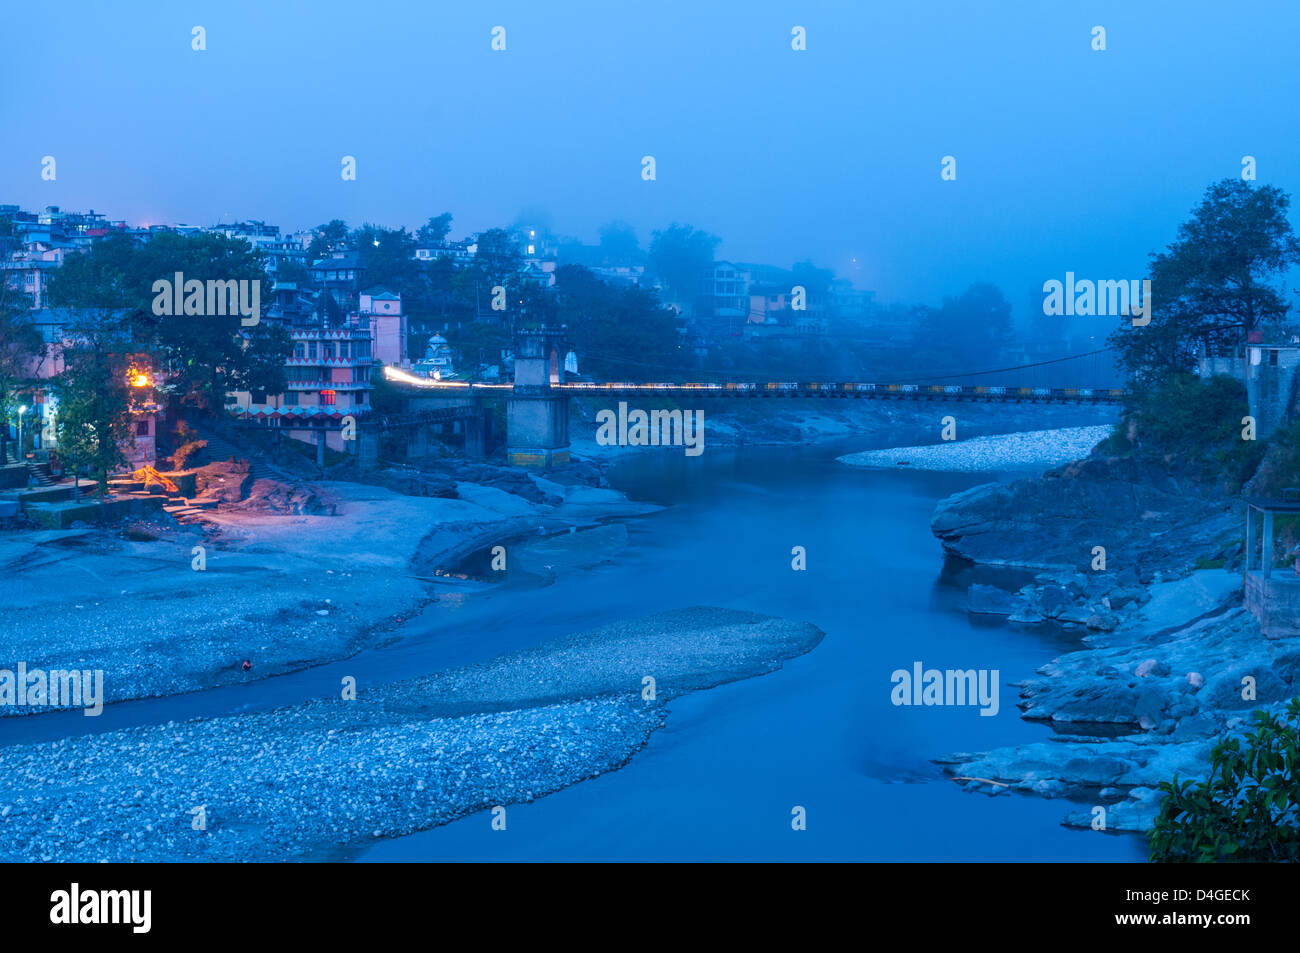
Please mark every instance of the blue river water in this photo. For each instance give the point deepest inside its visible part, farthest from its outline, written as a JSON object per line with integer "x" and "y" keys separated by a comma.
{"x": 721, "y": 780}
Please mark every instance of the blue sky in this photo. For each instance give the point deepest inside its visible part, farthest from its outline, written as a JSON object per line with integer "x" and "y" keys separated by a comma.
{"x": 1067, "y": 158}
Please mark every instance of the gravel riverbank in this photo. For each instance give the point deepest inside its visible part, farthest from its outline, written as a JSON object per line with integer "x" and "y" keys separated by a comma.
{"x": 310, "y": 778}
{"x": 1010, "y": 451}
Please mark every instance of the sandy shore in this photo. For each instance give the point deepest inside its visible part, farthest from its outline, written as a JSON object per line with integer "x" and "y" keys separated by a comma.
{"x": 1011, "y": 451}
{"x": 309, "y": 778}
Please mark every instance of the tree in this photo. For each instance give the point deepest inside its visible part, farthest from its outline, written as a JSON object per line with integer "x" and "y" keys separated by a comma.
{"x": 497, "y": 258}
{"x": 966, "y": 331}
{"x": 94, "y": 423}
{"x": 389, "y": 255}
{"x": 681, "y": 255}
{"x": 1218, "y": 281}
{"x": 329, "y": 237}
{"x": 201, "y": 357}
{"x": 621, "y": 333}
{"x": 1248, "y": 809}
{"x": 619, "y": 244}
{"x": 20, "y": 343}
{"x": 262, "y": 369}
{"x": 435, "y": 230}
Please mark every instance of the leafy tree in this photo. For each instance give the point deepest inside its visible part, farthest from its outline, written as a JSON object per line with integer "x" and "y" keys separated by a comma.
{"x": 619, "y": 244}
{"x": 497, "y": 258}
{"x": 434, "y": 230}
{"x": 389, "y": 255}
{"x": 1192, "y": 423}
{"x": 94, "y": 422}
{"x": 480, "y": 342}
{"x": 619, "y": 332}
{"x": 201, "y": 357}
{"x": 966, "y": 331}
{"x": 1219, "y": 280}
{"x": 329, "y": 237}
{"x": 288, "y": 271}
{"x": 816, "y": 280}
{"x": 1248, "y": 809}
{"x": 681, "y": 255}
{"x": 20, "y": 343}
{"x": 262, "y": 369}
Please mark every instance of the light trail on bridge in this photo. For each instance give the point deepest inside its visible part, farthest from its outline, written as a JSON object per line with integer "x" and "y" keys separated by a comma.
{"x": 852, "y": 389}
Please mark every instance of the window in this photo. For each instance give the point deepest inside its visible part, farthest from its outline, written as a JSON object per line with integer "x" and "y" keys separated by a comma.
{"x": 311, "y": 350}
{"x": 327, "y": 398}
{"x": 299, "y": 350}
{"x": 142, "y": 428}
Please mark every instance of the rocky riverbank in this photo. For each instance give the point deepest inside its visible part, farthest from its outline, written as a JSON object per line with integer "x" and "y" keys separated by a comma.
{"x": 305, "y": 780}
{"x": 1170, "y": 663}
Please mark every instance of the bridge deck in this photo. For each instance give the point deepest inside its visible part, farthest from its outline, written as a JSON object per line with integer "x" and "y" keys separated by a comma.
{"x": 820, "y": 389}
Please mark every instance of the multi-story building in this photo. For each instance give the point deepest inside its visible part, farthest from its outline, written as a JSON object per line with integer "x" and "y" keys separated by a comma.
{"x": 340, "y": 274}
{"x": 328, "y": 377}
{"x": 725, "y": 293}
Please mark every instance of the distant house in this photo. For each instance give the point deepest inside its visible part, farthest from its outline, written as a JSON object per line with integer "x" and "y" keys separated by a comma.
{"x": 340, "y": 275}
{"x": 461, "y": 253}
{"x": 768, "y": 304}
{"x": 725, "y": 292}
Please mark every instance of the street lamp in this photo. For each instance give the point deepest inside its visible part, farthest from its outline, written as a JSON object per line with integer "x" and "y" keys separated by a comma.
{"x": 21, "y": 410}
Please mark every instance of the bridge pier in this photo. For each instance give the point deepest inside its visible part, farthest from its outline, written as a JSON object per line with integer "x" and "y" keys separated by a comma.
{"x": 417, "y": 441}
{"x": 537, "y": 431}
{"x": 367, "y": 447}
{"x": 476, "y": 433}
{"x": 537, "y": 420}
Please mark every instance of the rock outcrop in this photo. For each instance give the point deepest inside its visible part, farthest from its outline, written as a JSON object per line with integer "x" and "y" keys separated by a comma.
{"x": 1144, "y": 517}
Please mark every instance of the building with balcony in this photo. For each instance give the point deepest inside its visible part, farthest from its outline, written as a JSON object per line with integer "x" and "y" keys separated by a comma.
{"x": 328, "y": 378}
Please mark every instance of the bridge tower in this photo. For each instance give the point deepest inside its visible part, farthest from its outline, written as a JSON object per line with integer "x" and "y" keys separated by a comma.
{"x": 537, "y": 418}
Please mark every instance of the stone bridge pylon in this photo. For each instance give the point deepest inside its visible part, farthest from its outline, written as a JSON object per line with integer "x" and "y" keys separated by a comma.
{"x": 537, "y": 418}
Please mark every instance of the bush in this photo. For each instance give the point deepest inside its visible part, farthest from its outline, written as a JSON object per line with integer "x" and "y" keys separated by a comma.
{"x": 1248, "y": 809}
{"x": 1194, "y": 423}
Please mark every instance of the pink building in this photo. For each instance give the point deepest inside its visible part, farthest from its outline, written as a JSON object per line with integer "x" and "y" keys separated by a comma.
{"x": 381, "y": 311}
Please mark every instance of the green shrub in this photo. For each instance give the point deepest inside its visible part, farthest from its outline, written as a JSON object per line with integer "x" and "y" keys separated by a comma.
{"x": 1249, "y": 807}
{"x": 1193, "y": 422}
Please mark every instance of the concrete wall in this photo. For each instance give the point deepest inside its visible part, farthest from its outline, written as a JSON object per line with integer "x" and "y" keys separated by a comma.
{"x": 1270, "y": 389}
{"x": 1275, "y": 602}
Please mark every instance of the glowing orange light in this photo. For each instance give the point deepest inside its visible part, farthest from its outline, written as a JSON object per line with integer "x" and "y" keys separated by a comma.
{"x": 138, "y": 378}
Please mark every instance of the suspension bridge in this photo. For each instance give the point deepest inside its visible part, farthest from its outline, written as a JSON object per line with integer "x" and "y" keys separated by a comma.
{"x": 537, "y": 402}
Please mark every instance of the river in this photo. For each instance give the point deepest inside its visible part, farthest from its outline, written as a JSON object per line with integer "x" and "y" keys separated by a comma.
{"x": 720, "y": 781}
